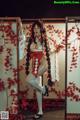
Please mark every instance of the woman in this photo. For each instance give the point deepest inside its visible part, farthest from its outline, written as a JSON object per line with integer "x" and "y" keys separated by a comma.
{"x": 37, "y": 63}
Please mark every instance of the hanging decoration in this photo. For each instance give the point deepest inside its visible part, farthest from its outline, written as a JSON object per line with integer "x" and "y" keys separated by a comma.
{"x": 10, "y": 37}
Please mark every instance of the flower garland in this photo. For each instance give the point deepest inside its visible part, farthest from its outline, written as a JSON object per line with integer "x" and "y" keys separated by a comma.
{"x": 72, "y": 88}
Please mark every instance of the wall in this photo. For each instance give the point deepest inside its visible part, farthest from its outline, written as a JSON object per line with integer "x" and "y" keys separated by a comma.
{"x": 73, "y": 69}
{"x": 8, "y": 64}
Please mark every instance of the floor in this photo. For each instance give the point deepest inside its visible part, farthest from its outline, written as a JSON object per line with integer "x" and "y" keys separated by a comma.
{"x": 51, "y": 115}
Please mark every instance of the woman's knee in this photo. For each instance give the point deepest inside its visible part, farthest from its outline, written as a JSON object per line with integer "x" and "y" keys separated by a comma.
{"x": 30, "y": 81}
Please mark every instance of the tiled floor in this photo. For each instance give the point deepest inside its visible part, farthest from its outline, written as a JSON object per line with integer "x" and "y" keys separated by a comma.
{"x": 53, "y": 115}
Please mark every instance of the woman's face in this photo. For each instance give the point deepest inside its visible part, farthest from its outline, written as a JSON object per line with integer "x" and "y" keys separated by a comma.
{"x": 37, "y": 32}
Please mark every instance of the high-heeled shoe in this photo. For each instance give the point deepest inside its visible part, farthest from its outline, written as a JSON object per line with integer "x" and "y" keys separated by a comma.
{"x": 38, "y": 116}
{"x": 46, "y": 91}
{"x": 50, "y": 83}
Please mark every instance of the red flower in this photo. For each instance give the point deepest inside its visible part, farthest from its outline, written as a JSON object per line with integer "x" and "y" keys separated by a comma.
{"x": 24, "y": 104}
{"x": 1, "y": 85}
{"x": 1, "y": 48}
{"x": 10, "y": 82}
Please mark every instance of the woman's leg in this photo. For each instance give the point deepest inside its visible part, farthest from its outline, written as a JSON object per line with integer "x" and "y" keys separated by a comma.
{"x": 39, "y": 97}
{"x": 39, "y": 101}
{"x": 34, "y": 82}
{"x": 37, "y": 84}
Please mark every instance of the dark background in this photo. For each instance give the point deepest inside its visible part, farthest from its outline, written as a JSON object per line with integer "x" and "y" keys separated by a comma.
{"x": 36, "y": 9}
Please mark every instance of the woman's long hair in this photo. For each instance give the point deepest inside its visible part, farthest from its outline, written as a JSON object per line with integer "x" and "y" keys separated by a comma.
{"x": 31, "y": 40}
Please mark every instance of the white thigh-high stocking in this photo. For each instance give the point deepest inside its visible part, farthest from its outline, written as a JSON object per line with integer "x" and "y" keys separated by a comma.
{"x": 39, "y": 101}
{"x": 34, "y": 82}
{"x": 39, "y": 97}
{"x": 37, "y": 84}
